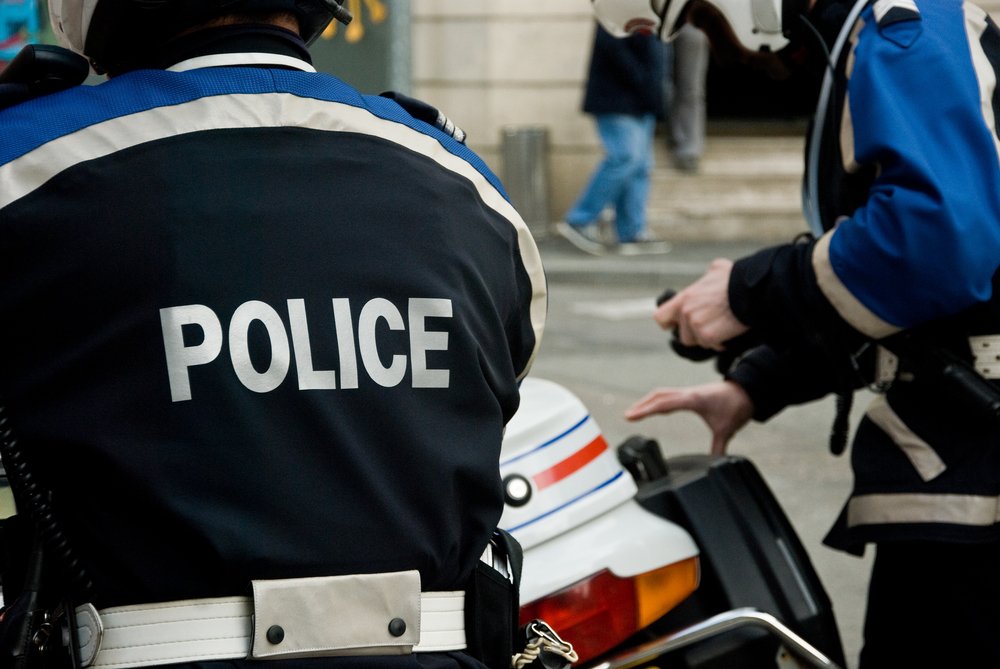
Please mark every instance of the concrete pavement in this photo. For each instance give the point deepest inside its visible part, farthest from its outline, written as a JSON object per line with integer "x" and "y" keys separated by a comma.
{"x": 687, "y": 259}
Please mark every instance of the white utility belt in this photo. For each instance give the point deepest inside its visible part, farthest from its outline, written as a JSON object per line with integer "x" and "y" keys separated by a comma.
{"x": 364, "y": 614}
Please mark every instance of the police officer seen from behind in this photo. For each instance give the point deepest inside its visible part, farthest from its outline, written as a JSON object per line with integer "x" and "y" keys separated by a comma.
{"x": 897, "y": 289}
{"x": 262, "y": 335}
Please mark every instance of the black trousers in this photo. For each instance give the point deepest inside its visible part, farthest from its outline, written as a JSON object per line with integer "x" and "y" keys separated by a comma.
{"x": 933, "y": 604}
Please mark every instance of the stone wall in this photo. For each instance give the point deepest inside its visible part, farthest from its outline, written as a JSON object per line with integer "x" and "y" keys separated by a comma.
{"x": 516, "y": 63}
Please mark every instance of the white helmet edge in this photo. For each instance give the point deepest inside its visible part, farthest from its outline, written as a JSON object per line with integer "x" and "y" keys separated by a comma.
{"x": 757, "y": 24}
{"x": 70, "y": 20}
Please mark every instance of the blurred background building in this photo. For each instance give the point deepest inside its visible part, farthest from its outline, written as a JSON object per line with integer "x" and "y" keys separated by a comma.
{"x": 20, "y": 23}
{"x": 511, "y": 74}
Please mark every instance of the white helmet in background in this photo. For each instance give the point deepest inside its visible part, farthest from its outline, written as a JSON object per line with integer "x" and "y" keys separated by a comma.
{"x": 70, "y": 20}
{"x": 756, "y": 24}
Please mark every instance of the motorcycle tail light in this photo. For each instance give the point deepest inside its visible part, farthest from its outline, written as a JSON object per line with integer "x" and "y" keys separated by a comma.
{"x": 599, "y": 612}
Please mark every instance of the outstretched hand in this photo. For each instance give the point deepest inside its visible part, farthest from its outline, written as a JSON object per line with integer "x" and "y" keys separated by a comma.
{"x": 723, "y": 405}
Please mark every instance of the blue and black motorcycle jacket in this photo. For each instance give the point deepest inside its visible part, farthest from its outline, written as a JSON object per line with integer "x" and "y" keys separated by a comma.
{"x": 903, "y": 279}
{"x": 258, "y": 325}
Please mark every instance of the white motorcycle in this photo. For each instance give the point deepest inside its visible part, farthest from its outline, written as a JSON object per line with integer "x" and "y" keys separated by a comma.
{"x": 632, "y": 558}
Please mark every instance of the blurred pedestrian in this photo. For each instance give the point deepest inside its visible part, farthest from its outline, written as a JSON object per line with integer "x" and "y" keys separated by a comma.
{"x": 686, "y": 75}
{"x": 625, "y": 95}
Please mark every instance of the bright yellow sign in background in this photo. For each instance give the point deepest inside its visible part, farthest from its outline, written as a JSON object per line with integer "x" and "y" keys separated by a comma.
{"x": 355, "y": 32}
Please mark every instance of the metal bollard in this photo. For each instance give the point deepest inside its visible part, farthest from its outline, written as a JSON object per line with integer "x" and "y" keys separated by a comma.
{"x": 525, "y": 156}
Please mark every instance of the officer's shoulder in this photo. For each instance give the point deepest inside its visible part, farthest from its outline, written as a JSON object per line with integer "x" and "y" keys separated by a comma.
{"x": 898, "y": 21}
{"x": 39, "y": 70}
{"x": 427, "y": 113}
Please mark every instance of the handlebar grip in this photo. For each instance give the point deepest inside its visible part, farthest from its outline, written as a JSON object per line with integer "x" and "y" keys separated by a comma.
{"x": 668, "y": 294}
{"x": 693, "y": 353}
{"x": 734, "y": 346}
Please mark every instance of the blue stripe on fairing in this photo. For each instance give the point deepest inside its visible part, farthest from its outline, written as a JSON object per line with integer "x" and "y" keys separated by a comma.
{"x": 566, "y": 504}
{"x": 547, "y": 443}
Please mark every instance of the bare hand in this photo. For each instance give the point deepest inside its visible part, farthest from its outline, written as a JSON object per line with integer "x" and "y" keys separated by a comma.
{"x": 701, "y": 311}
{"x": 723, "y": 405}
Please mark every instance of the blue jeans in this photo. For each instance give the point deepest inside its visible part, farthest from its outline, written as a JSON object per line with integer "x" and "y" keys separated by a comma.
{"x": 622, "y": 178}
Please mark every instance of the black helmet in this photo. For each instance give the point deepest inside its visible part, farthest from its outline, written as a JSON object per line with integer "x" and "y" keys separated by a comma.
{"x": 109, "y": 32}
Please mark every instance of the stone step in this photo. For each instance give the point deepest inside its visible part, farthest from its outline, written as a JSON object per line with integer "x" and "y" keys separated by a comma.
{"x": 747, "y": 187}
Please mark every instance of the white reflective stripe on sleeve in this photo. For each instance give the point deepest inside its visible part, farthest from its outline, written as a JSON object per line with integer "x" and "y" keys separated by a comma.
{"x": 848, "y": 306}
{"x": 975, "y": 25}
{"x": 532, "y": 262}
{"x": 850, "y": 163}
{"x": 971, "y": 510}
{"x": 923, "y": 457}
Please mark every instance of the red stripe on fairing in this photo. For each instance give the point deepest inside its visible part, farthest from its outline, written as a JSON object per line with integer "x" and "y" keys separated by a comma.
{"x": 572, "y": 464}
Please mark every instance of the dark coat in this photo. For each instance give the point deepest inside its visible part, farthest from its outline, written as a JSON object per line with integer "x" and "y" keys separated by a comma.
{"x": 626, "y": 75}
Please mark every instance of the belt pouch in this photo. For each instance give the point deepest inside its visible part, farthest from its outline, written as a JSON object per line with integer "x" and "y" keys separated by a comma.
{"x": 491, "y": 607}
{"x": 365, "y": 614}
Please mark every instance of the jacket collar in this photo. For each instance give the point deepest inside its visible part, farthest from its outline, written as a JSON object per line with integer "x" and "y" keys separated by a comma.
{"x": 236, "y": 45}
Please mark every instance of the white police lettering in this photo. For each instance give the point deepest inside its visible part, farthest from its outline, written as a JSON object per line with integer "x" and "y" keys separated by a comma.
{"x": 345, "y": 342}
{"x": 370, "y": 315}
{"x": 180, "y": 358}
{"x": 309, "y": 377}
{"x": 239, "y": 346}
{"x": 422, "y": 341}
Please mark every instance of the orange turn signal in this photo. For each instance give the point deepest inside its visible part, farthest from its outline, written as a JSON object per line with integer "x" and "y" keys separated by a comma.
{"x": 603, "y": 610}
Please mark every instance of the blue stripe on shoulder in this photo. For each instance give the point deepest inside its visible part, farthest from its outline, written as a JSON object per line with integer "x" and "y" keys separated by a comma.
{"x": 34, "y": 123}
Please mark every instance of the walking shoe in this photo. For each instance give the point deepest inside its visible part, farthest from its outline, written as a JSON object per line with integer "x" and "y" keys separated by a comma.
{"x": 644, "y": 246}
{"x": 583, "y": 237}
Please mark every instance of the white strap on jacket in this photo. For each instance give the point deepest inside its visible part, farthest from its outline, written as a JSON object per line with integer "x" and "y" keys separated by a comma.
{"x": 370, "y": 614}
{"x": 986, "y": 350}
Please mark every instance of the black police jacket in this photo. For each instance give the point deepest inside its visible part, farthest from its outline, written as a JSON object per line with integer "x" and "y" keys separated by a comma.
{"x": 258, "y": 325}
